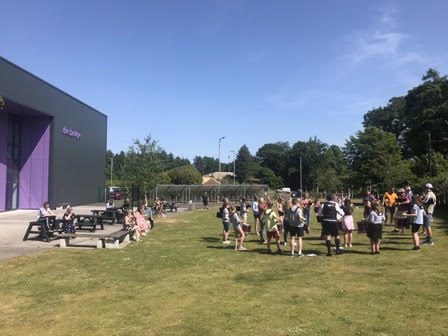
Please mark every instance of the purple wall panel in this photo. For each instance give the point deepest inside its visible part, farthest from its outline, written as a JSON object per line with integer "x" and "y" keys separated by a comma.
{"x": 3, "y": 143}
{"x": 34, "y": 158}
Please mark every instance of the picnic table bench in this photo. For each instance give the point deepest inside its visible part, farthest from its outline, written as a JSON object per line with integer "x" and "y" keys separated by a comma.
{"x": 108, "y": 214}
{"x": 115, "y": 239}
{"x": 89, "y": 221}
{"x": 171, "y": 206}
{"x": 42, "y": 229}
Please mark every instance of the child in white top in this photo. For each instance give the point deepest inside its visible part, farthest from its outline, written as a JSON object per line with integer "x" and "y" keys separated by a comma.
{"x": 418, "y": 213}
{"x": 239, "y": 233}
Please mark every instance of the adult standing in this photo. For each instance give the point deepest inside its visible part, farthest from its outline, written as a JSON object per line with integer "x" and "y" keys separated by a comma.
{"x": 205, "y": 201}
{"x": 330, "y": 212}
{"x": 429, "y": 203}
{"x": 389, "y": 199}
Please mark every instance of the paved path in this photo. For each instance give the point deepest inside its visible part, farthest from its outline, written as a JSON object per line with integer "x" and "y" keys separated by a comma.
{"x": 13, "y": 225}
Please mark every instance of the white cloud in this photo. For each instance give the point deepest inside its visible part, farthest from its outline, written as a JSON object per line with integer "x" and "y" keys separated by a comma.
{"x": 383, "y": 41}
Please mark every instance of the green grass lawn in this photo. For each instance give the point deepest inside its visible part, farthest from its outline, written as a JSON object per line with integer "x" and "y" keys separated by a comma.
{"x": 180, "y": 280}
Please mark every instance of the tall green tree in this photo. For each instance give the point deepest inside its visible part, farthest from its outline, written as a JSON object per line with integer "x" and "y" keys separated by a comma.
{"x": 375, "y": 158}
{"x": 143, "y": 163}
{"x": 274, "y": 156}
{"x": 419, "y": 119}
{"x": 389, "y": 118}
{"x": 267, "y": 176}
{"x": 185, "y": 175}
{"x": 332, "y": 172}
{"x": 310, "y": 153}
{"x": 206, "y": 164}
{"x": 426, "y": 116}
{"x": 245, "y": 165}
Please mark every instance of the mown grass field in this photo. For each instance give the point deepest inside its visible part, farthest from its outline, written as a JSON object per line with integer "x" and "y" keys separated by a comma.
{"x": 180, "y": 280}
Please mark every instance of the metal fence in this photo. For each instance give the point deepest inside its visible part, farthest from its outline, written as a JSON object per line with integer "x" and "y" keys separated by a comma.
{"x": 194, "y": 193}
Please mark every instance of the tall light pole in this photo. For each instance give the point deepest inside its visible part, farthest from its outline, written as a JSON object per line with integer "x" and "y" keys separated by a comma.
{"x": 219, "y": 153}
{"x": 301, "y": 187}
{"x": 234, "y": 155}
{"x": 111, "y": 169}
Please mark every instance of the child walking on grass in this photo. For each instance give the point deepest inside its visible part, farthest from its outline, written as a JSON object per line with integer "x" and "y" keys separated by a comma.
{"x": 239, "y": 233}
{"x": 418, "y": 215}
{"x": 375, "y": 228}
{"x": 297, "y": 226}
{"x": 347, "y": 222}
{"x": 270, "y": 222}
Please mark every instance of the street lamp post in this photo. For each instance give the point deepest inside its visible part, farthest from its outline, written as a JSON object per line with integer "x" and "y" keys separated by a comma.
{"x": 219, "y": 153}
{"x": 301, "y": 186}
{"x": 234, "y": 155}
{"x": 111, "y": 169}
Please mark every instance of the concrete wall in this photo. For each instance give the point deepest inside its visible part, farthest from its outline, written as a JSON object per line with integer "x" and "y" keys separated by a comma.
{"x": 76, "y": 166}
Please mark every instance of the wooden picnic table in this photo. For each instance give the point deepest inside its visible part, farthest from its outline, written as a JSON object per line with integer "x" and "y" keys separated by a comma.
{"x": 91, "y": 221}
{"x": 107, "y": 214}
{"x": 116, "y": 239}
{"x": 45, "y": 229}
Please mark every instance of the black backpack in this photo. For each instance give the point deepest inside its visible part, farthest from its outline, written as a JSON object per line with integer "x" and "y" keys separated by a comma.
{"x": 219, "y": 213}
{"x": 329, "y": 211}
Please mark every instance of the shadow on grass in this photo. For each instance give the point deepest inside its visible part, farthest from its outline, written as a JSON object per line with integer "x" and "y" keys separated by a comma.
{"x": 356, "y": 252}
{"x": 385, "y": 241}
{"x": 396, "y": 236}
{"x": 387, "y": 248}
{"x": 211, "y": 239}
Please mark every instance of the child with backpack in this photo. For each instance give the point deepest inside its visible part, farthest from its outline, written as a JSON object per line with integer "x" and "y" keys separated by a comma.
{"x": 296, "y": 225}
{"x": 225, "y": 217}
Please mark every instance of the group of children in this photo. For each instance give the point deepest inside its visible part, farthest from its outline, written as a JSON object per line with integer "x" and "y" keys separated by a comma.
{"x": 271, "y": 223}
{"x": 335, "y": 215}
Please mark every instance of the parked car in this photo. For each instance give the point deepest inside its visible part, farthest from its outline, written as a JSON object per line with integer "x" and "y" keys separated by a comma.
{"x": 116, "y": 193}
{"x": 284, "y": 190}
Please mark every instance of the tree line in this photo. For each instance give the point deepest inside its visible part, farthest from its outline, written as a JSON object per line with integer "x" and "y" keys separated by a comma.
{"x": 404, "y": 142}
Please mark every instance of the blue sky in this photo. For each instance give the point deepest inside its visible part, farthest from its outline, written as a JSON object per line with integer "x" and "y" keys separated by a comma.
{"x": 190, "y": 72}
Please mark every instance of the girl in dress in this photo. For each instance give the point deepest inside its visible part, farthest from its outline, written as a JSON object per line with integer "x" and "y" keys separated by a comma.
{"x": 129, "y": 223}
{"x": 375, "y": 228}
{"x": 140, "y": 220}
{"x": 347, "y": 222}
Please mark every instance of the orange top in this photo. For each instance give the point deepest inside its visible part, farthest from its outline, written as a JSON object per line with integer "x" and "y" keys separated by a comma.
{"x": 390, "y": 199}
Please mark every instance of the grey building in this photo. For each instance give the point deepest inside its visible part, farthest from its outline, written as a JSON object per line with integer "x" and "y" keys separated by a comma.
{"x": 52, "y": 146}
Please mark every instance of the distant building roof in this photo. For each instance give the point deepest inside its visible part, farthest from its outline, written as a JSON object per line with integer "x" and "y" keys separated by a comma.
{"x": 209, "y": 180}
